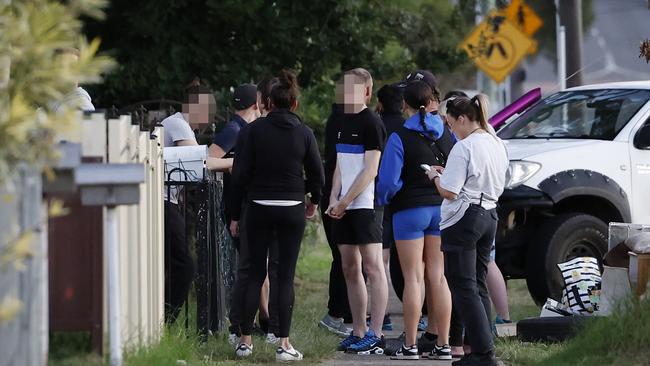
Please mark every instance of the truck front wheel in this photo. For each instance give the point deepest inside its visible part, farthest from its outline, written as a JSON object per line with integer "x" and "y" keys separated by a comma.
{"x": 561, "y": 238}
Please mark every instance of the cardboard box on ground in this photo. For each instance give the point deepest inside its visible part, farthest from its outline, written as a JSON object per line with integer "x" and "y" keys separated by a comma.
{"x": 626, "y": 264}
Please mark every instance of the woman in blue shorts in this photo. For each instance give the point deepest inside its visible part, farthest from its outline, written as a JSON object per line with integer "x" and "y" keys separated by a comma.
{"x": 415, "y": 202}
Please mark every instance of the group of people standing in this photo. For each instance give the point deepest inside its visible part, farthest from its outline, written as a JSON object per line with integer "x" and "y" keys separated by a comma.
{"x": 429, "y": 183}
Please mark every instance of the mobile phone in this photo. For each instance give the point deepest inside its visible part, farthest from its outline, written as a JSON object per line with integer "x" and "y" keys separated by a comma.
{"x": 425, "y": 167}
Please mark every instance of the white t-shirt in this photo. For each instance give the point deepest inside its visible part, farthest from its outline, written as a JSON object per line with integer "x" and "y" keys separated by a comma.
{"x": 176, "y": 129}
{"x": 476, "y": 165}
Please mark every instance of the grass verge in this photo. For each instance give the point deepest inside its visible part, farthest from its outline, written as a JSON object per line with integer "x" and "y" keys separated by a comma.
{"x": 312, "y": 276}
{"x": 619, "y": 339}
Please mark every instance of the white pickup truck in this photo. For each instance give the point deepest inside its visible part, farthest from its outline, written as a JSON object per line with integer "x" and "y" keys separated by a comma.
{"x": 579, "y": 159}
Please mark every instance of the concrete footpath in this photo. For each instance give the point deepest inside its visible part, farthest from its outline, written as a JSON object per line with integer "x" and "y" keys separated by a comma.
{"x": 395, "y": 310}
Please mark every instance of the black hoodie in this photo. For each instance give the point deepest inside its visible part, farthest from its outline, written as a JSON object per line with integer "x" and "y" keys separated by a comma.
{"x": 270, "y": 165}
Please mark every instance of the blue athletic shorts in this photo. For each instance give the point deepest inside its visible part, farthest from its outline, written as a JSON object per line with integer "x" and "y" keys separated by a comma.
{"x": 415, "y": 223}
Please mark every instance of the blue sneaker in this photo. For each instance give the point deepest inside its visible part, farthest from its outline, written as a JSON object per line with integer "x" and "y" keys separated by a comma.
{"x": 499, "y": 320}
{"x": 368, "y": 345}
{"x": 347, "y": 342}
{"x": 423, "y": 324}
{"x": 386, "y": 325}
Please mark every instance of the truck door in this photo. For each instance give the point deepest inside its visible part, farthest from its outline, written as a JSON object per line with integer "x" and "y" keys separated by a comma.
{"x": 640, "y": 169}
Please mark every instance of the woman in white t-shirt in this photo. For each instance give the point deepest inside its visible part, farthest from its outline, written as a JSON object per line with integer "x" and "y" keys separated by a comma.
{"x": 471, "y": 184}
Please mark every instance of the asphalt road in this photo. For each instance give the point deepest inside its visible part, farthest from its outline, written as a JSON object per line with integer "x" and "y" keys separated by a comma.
{"x": 611, "y": 47}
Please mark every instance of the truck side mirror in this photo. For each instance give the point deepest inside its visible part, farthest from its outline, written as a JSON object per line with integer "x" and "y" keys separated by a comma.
{"x": 642, "y": 138}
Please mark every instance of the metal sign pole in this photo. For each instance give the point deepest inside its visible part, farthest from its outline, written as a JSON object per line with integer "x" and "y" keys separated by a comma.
{"x": 114, "y": 327}
{"x": 561, "y": 47}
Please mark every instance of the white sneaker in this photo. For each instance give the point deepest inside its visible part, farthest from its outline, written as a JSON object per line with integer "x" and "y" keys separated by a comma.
{"x": 272, "y": 339}
{"x": 287, "y": 355}
{"x": 244, "y": 350}
{"x": 233, "y": 339}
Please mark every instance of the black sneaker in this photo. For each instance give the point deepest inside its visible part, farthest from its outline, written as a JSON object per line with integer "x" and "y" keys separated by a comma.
{"x": 426, "y": 345}
{"x": 393, "y": 344}
{"x": 440, "y": 353}
{"x": 406, "y": 353}
{"x": 474, "y": 359}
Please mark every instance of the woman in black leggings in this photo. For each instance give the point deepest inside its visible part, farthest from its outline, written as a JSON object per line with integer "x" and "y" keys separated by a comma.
{"x": 278, "y": 149}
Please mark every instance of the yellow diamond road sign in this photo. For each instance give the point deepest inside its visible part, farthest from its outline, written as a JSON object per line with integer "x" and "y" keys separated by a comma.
{"x": 497, "y": 46}
{"x": 524, "y": 17}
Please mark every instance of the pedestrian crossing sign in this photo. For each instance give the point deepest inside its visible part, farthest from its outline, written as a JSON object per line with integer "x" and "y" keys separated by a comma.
{"x": 524, "y": 17}
{"x": 497, "y": 46}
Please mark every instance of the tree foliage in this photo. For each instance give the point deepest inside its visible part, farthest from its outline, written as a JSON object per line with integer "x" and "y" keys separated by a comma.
{"x": 162, "y": 44}
{"x": 31, "y": 79}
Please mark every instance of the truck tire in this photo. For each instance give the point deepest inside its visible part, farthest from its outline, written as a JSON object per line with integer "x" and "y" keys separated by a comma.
{"x": 561, "y": 238}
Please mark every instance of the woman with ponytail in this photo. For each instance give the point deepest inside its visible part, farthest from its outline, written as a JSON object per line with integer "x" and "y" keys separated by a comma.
{"x": 471, "y": 184}
{"x": 415, "y": 204}
{"x": 269, "y": 169}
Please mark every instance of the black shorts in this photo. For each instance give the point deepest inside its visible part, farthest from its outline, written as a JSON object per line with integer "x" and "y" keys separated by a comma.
{"x": 358, "y": 227}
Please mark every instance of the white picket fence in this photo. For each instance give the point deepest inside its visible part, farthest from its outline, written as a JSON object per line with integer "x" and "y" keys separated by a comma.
{"x": 23, "y": 281}
{"x": 141, "y": 226}
{"x": 24, "y": 337}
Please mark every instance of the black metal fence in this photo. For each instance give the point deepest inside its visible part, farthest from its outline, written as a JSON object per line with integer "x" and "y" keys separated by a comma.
{"x": 215, "y": 255}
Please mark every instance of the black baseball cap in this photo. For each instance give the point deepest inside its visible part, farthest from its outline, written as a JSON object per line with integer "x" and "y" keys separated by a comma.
{"x": 421, "y": 75}
{"x": 244, "y": 96}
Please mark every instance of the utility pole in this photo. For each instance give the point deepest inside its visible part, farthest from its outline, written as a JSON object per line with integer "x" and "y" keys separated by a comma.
{"x": 571, "y": 18}
{"x": 483, "y": 83}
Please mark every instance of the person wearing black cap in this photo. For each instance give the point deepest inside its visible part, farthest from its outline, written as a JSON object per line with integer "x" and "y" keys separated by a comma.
{"x": 246, "y": 111}
{"x": 415, "y": 204}
{"x": 428, "y": 339}
{"x": 248, "y": 101}
{"x": 431, "y": 80}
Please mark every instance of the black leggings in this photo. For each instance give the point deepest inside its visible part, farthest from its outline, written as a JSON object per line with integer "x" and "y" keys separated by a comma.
{"x": 237, "y": 295}
{"x": 288, "y": 226}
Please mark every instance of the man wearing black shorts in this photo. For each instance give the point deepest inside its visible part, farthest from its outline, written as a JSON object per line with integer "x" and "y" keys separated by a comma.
{"x": 357, "y": 227}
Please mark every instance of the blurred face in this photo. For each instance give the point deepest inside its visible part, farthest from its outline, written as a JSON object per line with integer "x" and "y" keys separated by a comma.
{"x": 355, "y": 93}
{"x": 200, "y": 110}
{"x": 457, "y": 125}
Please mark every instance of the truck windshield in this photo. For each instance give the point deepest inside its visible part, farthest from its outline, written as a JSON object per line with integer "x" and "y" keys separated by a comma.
{"x": 587, "y": 114}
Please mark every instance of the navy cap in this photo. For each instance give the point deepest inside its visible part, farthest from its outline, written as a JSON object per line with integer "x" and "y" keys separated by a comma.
{"x": 244, "y": 96}
{"x": 421, "y": 75}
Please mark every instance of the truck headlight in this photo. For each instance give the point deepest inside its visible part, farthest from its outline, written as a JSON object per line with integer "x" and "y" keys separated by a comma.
{"x": 519, "y": 172}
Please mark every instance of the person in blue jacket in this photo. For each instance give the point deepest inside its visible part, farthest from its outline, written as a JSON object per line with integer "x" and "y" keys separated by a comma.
{"x": 415, "y": 203}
